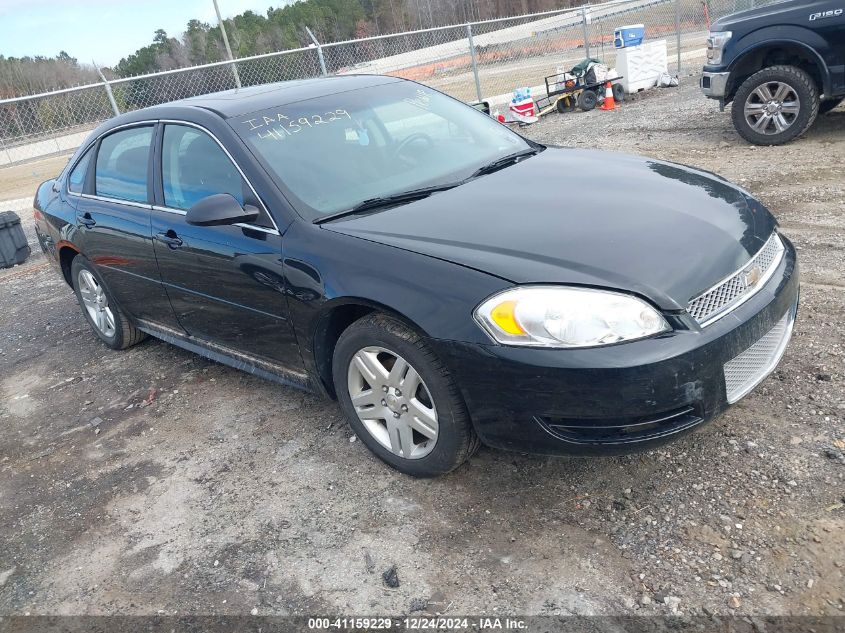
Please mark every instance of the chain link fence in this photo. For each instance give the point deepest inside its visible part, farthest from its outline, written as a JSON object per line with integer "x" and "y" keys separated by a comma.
{"x": 475, "y": 61}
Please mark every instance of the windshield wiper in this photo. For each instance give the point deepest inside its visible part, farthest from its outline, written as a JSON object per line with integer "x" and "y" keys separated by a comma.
{"x": 387, "y": 201}
{"x": 500, "y": 163}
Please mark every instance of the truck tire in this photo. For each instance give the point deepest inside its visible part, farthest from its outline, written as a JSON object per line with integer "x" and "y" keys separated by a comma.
{"x": 775, "y": 105}
{"x": 830, "y": 104}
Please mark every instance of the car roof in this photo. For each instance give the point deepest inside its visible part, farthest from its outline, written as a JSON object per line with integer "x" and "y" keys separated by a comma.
{"x": 240, "y": 101}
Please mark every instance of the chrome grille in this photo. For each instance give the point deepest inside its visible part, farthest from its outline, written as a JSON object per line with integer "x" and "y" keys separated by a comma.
{"x": 730, "y": 292}
{"x": 748, "y": 369}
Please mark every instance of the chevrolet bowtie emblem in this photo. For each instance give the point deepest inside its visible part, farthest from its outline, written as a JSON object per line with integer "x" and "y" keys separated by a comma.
{"x": 753, "y": 277}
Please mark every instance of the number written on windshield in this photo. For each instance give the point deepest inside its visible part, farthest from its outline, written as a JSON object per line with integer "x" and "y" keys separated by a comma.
{"x": 280, "y": 126}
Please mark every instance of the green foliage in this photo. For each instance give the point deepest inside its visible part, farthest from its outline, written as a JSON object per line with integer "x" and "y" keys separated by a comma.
{"x": 249, "y": 34}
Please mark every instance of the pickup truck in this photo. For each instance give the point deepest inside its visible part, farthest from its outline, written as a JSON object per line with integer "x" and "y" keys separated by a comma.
{"x": 781, "y": 65}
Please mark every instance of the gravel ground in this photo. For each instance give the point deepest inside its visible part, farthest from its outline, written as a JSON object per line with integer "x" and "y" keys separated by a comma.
{"x": 154, "y": 481}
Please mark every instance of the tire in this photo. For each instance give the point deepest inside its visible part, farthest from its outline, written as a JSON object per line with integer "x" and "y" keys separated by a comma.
{"x": 618, "y": 93}
{"x": 587, "y": 100}
{"x": 752, "y": 97}
{"x": 384, "y": 425}
{"x": 830, "y": 104}
{"x": 565, "y": 104}
{"x": 117, "y": 333}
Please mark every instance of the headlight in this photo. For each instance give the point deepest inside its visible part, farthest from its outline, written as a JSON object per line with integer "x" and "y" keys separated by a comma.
{"x": 716, "y": 45}
{"x": 558, "y": 316}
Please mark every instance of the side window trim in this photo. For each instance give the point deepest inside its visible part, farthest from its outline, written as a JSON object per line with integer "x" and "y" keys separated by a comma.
{"x": 158, "y": 189}
{"x": 243, "y": 225}
{"x": 159, "y": 177}
{"x": 91, "y": 173}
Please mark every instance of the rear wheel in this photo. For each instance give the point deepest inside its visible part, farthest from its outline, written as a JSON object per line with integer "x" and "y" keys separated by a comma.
{"x": 775, "y": 105}
{"x": 399, "y": 398}
{"x": 106, "y": 319}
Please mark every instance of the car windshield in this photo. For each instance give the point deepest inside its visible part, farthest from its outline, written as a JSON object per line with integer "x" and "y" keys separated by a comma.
{"x": 333, "y": 152}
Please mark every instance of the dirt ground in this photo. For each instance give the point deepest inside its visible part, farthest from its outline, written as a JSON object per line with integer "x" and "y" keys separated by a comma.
{"x": 21, "y": 180}
{"x": 154, "y": 481}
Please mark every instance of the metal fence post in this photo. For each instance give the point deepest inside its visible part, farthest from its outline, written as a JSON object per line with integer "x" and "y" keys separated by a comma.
{"x": 6, "y": 150}
{"x": 319, "y": 51}
{"x": 586, "y": 33}
{"x": 228, "y": 48}
{"x": 678, "y": 35}
{"x": 109, "y": 93}
{"x": 474, "y": 62}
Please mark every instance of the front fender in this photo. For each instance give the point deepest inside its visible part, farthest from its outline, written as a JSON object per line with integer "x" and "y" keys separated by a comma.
{"x": 325, "y": 270}
{"x": 808, "y": 41}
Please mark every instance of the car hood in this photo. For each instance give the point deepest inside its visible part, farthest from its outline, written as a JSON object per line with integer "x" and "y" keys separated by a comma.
{"x": 658, "y": 229}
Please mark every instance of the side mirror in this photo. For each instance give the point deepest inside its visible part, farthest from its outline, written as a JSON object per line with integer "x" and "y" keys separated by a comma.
{"x": 220, "y": 209}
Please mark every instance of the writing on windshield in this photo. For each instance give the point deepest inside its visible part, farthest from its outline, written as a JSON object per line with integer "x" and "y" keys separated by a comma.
{"x": 279, "y": 126}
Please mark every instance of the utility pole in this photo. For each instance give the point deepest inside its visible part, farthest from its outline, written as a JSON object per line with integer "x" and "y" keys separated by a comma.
{"x": 226, "y": 42}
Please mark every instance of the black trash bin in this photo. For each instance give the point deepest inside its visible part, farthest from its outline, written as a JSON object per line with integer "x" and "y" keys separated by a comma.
{"x": 13, "y": 247}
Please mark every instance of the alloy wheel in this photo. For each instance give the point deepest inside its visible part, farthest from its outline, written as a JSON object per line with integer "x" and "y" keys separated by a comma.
{"x": 96, "y": 303}
{"x": 772, "y": 108}
{"x": 392, "y": 402}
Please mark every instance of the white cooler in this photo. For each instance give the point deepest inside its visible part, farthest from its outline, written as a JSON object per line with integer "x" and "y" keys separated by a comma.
{"x": 640, "y": 66}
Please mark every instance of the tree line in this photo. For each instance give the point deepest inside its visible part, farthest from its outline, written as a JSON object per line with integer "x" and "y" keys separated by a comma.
{"x": 29, "y": 75}
{"x": 283, "y": 28}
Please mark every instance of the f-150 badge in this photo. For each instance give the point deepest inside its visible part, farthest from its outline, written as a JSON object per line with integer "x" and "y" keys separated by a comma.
{"x": 833, "y": 13}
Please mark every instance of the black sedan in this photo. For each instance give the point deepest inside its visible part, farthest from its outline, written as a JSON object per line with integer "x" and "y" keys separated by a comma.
{"x": 447, "y": 280}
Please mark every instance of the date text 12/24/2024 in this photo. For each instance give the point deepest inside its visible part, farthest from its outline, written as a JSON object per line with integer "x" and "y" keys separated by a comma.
{"x": 417, "y": 623}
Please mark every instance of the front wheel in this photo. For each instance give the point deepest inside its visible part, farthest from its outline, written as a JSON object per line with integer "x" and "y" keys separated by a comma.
{"x": 775, "y": 105}
{"x": 399, "y": 398}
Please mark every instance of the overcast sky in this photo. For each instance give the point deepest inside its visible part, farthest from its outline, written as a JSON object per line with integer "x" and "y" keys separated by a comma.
{"x": 103, "y": 30}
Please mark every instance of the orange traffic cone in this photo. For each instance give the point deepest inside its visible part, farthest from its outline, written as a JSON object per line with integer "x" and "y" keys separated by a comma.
{"x": 609, "y": 101}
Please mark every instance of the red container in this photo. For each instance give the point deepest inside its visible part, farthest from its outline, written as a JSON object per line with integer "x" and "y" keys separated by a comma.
{"x": 523, "y": 108}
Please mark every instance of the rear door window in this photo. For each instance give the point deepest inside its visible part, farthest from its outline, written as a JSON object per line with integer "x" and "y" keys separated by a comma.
{"x": 76, "y": 179}
{"x": 122, "y": 164}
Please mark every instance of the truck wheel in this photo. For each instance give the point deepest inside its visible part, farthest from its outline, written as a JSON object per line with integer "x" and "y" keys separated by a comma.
{"x": 830, "y": 104}
{"x": 775, "y": 105}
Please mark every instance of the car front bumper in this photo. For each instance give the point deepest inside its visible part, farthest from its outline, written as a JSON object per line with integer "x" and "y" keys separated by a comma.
{"x": 714, "y": 85}
{"x": 626, "y": 397}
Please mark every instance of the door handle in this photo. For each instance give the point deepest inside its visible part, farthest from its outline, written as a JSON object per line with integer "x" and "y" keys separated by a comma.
{"x": 86, "y": 220}
{"x": 171, "y": 239}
